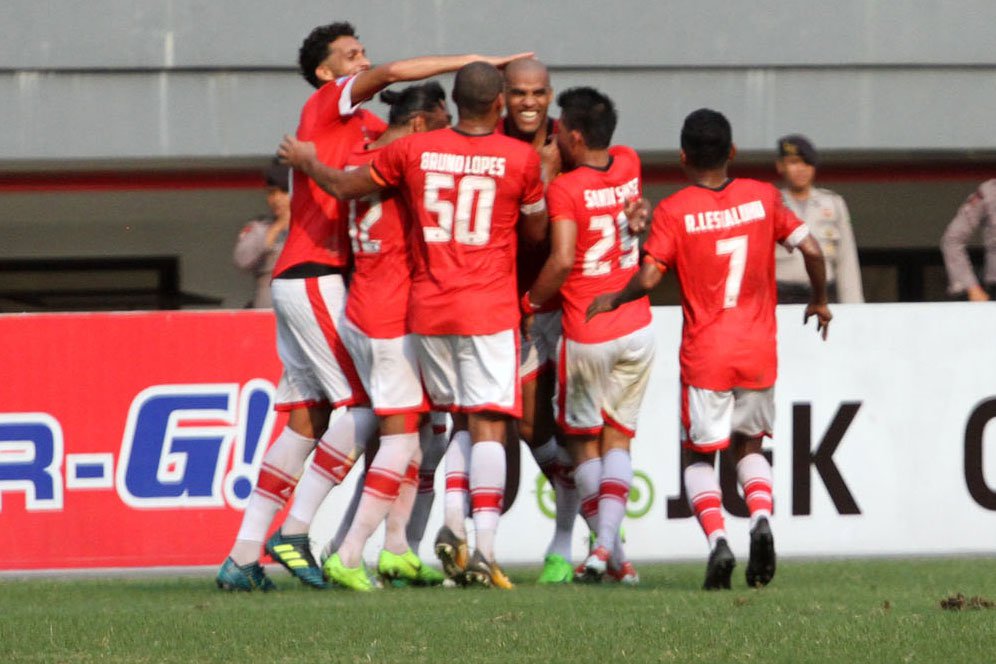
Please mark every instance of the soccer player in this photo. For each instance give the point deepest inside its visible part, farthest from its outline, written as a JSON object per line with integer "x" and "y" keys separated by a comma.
{"x": 466, "y": 186}
{"x": 718, "y": 235}
{"x": 308, "y": 297}
{"x": 603, "y": 365}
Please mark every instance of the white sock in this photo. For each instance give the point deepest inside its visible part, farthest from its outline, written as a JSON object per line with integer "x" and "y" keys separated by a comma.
{"x": 587, "y": 478}
{"x": 401, "y": 509}
{"x": 456, "y": 501}
{"x": 282, "y": 465}
{"x": 545, "y": 455}
{"x": 487, "y": 490}
{"x": 706, "y": 500}
{"x": 617, "y": 475}
{"x": 567, "y": 503}
{"x": 754, "y": 475}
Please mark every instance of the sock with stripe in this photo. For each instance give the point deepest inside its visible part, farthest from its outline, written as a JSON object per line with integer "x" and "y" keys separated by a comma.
{"x": 588, "y": 478}
{"x": 380, "y": 489}
{"x": 456, "y": 501}
{"x": 337, "y": 451}
{"x": 487, "y": 489}
{"x": 282, "y": 465}
{"x": 613, "y": 492}
{"x": 400, "y": 511}
{"x": 754, "y": 475}
{"x": 433, "y": 441}
{"x": 545, "y": 457}
{"x": 706, "y": 500}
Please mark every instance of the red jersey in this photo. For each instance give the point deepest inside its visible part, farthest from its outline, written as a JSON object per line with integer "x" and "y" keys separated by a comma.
{"x": 317, "y": 232}
{"x": 606, "y": 255}
{"x": 379, "y": 226}
{"x": 465, "y": 194}
{"x": 721, "y": 243}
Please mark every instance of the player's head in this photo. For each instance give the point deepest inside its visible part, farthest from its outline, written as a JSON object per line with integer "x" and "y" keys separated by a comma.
{"x": 706, "y": 140}
{"x": 477, "y": 91}
{"x": 527, "y": 94}
{"x": 422, "y": 107}
{"x": 587, "y": 121}
{"x": 277, "y": 177}
{"x": 331, "y": 51}
{"x": 797, "y": 160}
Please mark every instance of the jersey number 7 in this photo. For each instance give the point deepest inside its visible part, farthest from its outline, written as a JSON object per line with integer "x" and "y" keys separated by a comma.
{"x": 736, "y": 247}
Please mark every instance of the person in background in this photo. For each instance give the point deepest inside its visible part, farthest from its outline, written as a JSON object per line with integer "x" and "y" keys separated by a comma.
{"x": 262, "y": 238}
{"x": 962, "y": 281}
{"x": 825, "y": 214}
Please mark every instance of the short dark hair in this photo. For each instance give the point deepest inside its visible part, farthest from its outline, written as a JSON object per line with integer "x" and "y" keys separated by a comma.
{"x": 277, "y": 175}
{"x": 590, "y": 112}
{"x": 423, "y": 97}
{"x": 706, "y": 138}
{"x": 475, "y": 88}
{"x": 316, "y": 48}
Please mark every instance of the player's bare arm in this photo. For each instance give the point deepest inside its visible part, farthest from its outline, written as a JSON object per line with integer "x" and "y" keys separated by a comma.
{"x": 370, "y": 82}
{"x": 558, "y": 265}
{"x": 641, "y": 284}
{"x": 344, "y": 185}
{"x": 816, "y": 268}
{"x": 534, "y": 226}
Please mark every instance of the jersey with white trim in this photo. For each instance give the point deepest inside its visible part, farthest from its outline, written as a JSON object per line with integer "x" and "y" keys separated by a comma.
{"x": 317, "y": 232}
{"x": 721, "y": 245}
{"x": 606, "y": 255}
{"x": 465, "y": 193}
{"x": 379, "y": 230}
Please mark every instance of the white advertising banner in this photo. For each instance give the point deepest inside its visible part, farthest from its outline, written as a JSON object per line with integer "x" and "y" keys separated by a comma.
{"x": 882, "y": 445}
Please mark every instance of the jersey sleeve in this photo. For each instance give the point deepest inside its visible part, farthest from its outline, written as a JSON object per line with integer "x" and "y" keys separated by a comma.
{"x": 388, "y": 167}
{"x": 559, "y": 202}
{"x": 532, "y": 191}
{"x": 789, "y": 229}
{"x": 661, "y": 244}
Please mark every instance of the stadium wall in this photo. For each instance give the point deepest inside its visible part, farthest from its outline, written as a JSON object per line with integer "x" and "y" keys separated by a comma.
{"x": 130, "y": 440}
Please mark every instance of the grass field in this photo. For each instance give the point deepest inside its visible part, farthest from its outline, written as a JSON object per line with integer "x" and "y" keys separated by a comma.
{"x": 839, "y": 611}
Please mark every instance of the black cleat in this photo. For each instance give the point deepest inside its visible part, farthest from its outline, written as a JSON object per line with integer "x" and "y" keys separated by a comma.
{"x": 720, "y": 567}
{"x": 761, "y": 565}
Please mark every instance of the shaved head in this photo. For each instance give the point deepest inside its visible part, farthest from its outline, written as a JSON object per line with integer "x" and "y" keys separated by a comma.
{"x": 525, "y": 67}
{"x": 475, "y": 89}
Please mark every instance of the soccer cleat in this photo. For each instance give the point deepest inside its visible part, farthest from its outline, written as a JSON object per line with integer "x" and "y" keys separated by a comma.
{"x": 594, "y": 566}
{"x": 483, "y": 573}
{"x": 400, "y": 570}
{"x": 294, "y": 553}
{"x": 556, "y": 569}
{"x": 625, "y": 574}
{"x": 761, "y": 564}
{"x": 243, "y": 577}
{"x": 720, "y": 567}
{"x": 429, "y": 576}
{"x": 452, "y": 553}
{"x": 353, "y": 578}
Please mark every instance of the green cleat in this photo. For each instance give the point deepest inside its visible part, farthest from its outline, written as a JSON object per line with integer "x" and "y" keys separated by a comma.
{"x": 398, "y": 570}
{"x": 294, "y": 553}
{"x": 556, "y": 569}
{"x": 245, "y": 577}
{"x": 429, "y": 576}
{"x": 353, "y": 578}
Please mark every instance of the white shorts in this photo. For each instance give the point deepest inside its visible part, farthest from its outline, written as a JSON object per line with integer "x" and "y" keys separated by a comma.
{"x": 317, "y": 366}
{"x": 539, "y": 352}
{"x": 603, "y": 384}
{"x": 388, "y": 369}
{"x": 472, "y": 373}
{"x": 708, "y": 417}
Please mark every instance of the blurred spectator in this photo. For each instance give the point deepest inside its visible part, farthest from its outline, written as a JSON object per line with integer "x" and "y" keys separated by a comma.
{"x": 962, "y": 280}
{"x": 261, "y": 240}
{"x": 829, "y": 222}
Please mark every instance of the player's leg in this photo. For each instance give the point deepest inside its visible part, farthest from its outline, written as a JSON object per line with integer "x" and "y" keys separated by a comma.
{"x": 706, "y": 418}
{"x": 753, "y": 418}
{"x": 487, "y": 488}
{"x": 433, "y": 440}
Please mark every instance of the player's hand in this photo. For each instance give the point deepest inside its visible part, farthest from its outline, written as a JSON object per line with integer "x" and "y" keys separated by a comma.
{"x": 502, "y": 60}
{"x": 601, "y": 304}
{"x": 295, "y": 153}
{"x": 526, "y": 326}
{"x": 550, "y": 163}
{"x": 823, "y": 317}
{"x": 637, "y": 214}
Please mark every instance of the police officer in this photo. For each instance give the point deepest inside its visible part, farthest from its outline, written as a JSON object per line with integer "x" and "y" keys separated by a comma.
{"x": 826, "y": 215}
{"x": 979, "y": 209}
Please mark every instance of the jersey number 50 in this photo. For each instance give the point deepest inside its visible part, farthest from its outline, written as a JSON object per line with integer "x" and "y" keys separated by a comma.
{"x": 470, "y": 222}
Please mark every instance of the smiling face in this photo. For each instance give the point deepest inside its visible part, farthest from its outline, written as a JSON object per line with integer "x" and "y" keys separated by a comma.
{"x": 528, "y": 95}
{"x": 346, "y": 57}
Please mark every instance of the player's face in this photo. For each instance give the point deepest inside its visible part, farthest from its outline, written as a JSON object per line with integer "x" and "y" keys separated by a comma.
{"x": 527, "y": 95}
{"x": 347, "y": 57}
{"x": 278, "y": 200}
{"x": 797, "y": 173}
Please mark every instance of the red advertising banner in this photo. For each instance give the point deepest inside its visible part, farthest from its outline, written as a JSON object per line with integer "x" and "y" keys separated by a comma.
{"x": 131, "y": 439}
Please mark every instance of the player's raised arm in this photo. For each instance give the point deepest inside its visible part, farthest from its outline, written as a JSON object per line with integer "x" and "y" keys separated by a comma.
{"x": 639, "y": 285}
{"x": 344, "y": 185}
{"x": 370, "y": 82}
{"x": 816, "y": 268}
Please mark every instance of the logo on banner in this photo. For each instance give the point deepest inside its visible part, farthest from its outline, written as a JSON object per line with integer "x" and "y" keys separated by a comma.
{"x": 640, "y": 501}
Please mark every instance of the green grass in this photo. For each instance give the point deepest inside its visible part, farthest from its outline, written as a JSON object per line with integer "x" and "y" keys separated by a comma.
{"x": 843, "y": 611}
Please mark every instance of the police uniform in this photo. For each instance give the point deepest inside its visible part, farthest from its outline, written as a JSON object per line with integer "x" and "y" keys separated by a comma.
{"x": 979, "y": 209}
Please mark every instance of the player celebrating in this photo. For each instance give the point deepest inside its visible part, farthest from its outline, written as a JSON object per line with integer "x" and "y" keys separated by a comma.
{"x": 719, "y": 236}
{"x": 308, "y": 297}
{"x": 603, "y": 366}
{"x": 467, "y": 187}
